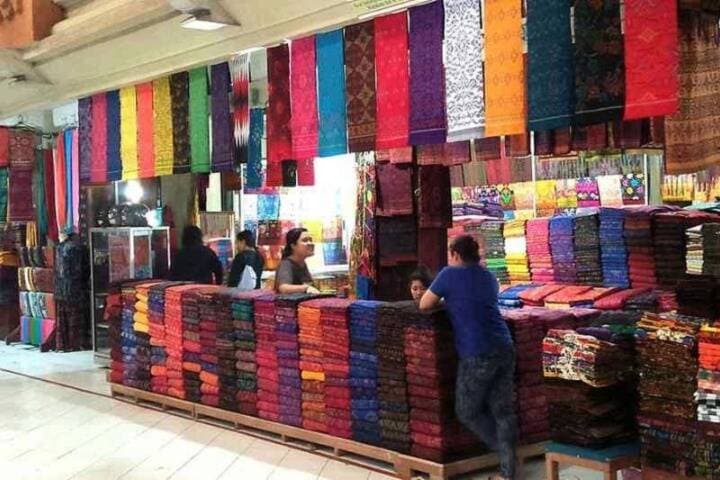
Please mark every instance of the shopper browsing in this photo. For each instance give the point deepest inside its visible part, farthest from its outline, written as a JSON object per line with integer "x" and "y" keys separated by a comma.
{"x": 420, "y": 281}
{"x": 484, "y": 388}
{"x": 292, "y": 275}
{"x": 247, "y": 266}
{"x": 195, "y": 262}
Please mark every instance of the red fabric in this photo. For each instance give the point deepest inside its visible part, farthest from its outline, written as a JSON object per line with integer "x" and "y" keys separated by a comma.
{"x": 651, "y": 58}
{"x": 60, "y": 186}
{"x": 279, "y": 135}
{"x": 306, "y": 172}
{"x": 98, "y": 161}
{"x": 145, "y": 130}
{"x": 617, "y": 300}
{"x": 4, "y": 147}
{"x": 50, "y": 195}
{"x": 487, "y": 148}
{"x": 304, "y": 118}
{"x": 393, "y": 97}
{"x": 395, "y": 155}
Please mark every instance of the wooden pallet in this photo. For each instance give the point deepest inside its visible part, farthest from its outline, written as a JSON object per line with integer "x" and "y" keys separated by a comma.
{"x": 345, "y": 450}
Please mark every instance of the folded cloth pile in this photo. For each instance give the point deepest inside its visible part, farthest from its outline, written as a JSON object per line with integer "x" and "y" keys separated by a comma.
{"x": 617, "y": 300}
{"x": 141, "y": 328}
{"x": 613, "y": 252}
{"x": 516, "y": 251}
{"x": 638, "y": 233}
{"x": 567, "y": 297}
{"x": 666, "y": 346}
{"x": 174, "y": 304}
{"x": 128, "y": 338}
{"x": 35, "y": 330}
{"x": 310, "y": 339}
{"x": 158, "y": 353}
{"x": 699, "y": 295}
{"x": 562, "y": 247}
{"x": 644, "y": 302}
{"x": 227, "y": 371}
{"x": 584, "y": 299}
{"x": 112, "y": 315}
{"x": 394, "y": 411}
{"x": 36, "y": 279}
{"x": 208, "y": 355}
{"x": 587, "y": 250}
{"x": 538, "y": 249}
{"x": 493, "y": 249}
{"x": 535, "y": 297}
{"x": 268, "y": 381}
{"x": 708, "y": 391}
{"x": 191, "y": 346}
{"x": 509, "y": 296}
{"x": 431, "y": 368}
{"x": 703, "y": 250}
{"x": 365, "y": 403}
{"x": 38, "y": 305}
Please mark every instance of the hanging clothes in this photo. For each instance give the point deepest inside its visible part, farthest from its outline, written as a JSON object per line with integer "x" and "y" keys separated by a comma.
{"x": 222, "y": 129}
{"x": 198, "y": 118}
{"x": 360, "y": 86}
{"x": 180, "y": 98}
{"x": 145, "y": 130}
{"x": 98, "y": 142}
{"x": 60, "y": 183}
{"x": 279, "y": 135}
{"x": 38, "y": 190}
{"x": 85, "y": 131}
{"x": 114, "y": 156}
{"x": 4, "y": 147}
{"x": 50, "y": 198}
{"x": 129, "y": 133}
{"x": 331, "y": 94}
{"x": 254, "y": 177}
{"x": 240, "y": 80}
{"x": 304, "y": 106}
{"x": 162, "y": 127}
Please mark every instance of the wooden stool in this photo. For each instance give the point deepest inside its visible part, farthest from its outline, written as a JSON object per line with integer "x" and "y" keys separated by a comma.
{"x": 608, "y": 460}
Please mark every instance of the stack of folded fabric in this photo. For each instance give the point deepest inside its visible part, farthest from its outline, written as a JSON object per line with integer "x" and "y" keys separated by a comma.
{"x": 310, "y": 338}
{"x": 113, "y": 318}
{"x": 562, "y": 247}
{"x": 266, "y": 358}
{"x": 208, "y": 327}
{"x": 614, "y": 253}
{"x": 493, "y": 249}
{"x": 431, "y": 368}
{"x": 243, "y": 316}
{"x": 577, "y": 297}
{"x": 192, "y": 348}
{"x": 587, "y": 250}
{"x": 158, "y": 354}
{"x": 638, "y": 235}
{"x": 516, "y": 251}
{"x": 394, "y": 412}
{"x": 538, "y": 248}
{"x": 699, "y": 295}
{"x": 535, "y": 297}
{"x": 334, "y": 317}
{"x": 141, "y": 327}
{"x": 127, "y": 336}
{"x": 617, "y": 300}
{"x": 174, "y": 339}
{"x": 703, "y": 250}
{"x": 666, "y": 345}
{"x": 643, "y": 302}
{"x": 227, "y": 371}
{"x": 509, "y": 297}
{"x": 694, "y": 257}
{"x": 37, "y": 303}
{"x": 708, "y": 391}
{"x": 364, "y": 371}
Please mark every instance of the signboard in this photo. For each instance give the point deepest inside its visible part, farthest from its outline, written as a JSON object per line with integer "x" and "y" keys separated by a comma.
{"x": 365, "y": 6}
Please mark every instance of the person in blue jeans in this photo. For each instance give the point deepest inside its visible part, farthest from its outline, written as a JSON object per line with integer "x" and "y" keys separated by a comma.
{"x": 484, "y": 400}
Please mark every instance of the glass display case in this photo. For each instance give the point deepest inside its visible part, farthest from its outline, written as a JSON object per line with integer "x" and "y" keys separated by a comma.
{"x": 119, "y": 254}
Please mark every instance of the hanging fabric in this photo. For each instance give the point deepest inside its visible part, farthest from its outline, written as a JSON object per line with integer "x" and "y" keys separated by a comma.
{"x": 599, "y": 62}
{"x": 504, "y": 68}
{"x": 332, "y": 114}
{"x": 38, "y": 191}
{"x": 487, "y": 148}
{"x": 434, "y": 200}
{"x": 162, "y": 127}
{"x": 99, "y": 144}
{"x": 198, "y": 115}
{"x": 240, "y": 79}
{"x": 253, "y": 176}
{"x": 393, "y": 96}
{"x": 114, "y": 156}
{"x": 22, "y": 157}
{"x": 180, "y": 93}
{"x": 279, "y": 136}
{"x": 427, "y": 75}
{"x": 49, "y": 179}
{"x": 3, "y": 194}
{"x": 464, "y": 89}
{"x": 75, "y": 169}
{"x": 4, "y": 146}
{"x": 651, "y": 58}
{"x": 551, "y": 77}
{"x": 60, "y": 183}
{"x": 306, "y": 172}
{"x": 129, "y": 133}
{"x": 145, "y": 130}
{"x": 223, "y": 149}
{"x": 86, "y": 133}
{"x": 289, "y": 173}
{"x": 69, "y": 180}
{"x": 360, "y": 86}
{"x": 303, "y": 98}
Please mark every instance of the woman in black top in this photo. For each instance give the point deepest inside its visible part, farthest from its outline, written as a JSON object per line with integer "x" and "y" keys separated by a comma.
{"x": 292, "y": 275}
{"x": 247, "y": 256}
{"x": 195, "y": 262}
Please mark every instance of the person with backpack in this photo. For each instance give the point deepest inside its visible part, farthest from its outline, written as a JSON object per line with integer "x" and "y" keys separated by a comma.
{"x": 247, "y": 266}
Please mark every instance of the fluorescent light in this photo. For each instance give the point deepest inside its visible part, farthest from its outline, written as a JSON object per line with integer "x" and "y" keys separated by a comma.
{"x": 195, "y": 23}
{"x": 394, "y": 8}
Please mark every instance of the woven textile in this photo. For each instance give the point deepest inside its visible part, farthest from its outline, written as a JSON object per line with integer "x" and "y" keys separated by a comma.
{"x": 279, "y": 135}
{"x": 163, "y": 127}
{"x": 180, "y": 98}
{"x": 85, "y": 133}
{"x": 332, "y": 111}
{"x": 222, "y": 125}
{"x": 393, "y": 98}
{"x": 129, "y": 133}
{"x": 145, "y": 130}
{"x": 360, "y": 86}
{"x": 303, "y": 85}
{"x": 198, "y": 115}
{"x": 240, "y": 80}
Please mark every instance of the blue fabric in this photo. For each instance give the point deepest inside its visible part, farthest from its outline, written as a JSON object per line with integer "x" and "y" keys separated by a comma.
{"x": 253, "y": 172}
{"x": 69, "y": 177}
{"x": 114, "y": 163}
{"x": 470, "y": 294}
{"x": 332, "y": 110}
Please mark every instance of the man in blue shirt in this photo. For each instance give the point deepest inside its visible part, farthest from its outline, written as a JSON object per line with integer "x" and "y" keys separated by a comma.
{"x": 485, "y": 380}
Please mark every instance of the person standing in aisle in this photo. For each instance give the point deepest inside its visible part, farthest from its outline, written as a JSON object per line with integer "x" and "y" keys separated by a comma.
{"x": 247, "y": 266}
{"x": 484, "y": 400}
{"x": 195, "y": 262}
{"x": 292, "y": 275}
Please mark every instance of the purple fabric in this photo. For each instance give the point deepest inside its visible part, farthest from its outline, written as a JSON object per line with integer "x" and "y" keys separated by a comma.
{"x": 85, "y": 137}
{"x": 222, "y": 125}
{"x": 427, "y": 76}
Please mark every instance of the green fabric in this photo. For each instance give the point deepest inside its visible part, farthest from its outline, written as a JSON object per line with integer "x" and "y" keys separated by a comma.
{"x": 199, "y": 127}
{"x": 3, "y": 194}
{"x": 35, "y": 331}
{"x": 38, "y": 188}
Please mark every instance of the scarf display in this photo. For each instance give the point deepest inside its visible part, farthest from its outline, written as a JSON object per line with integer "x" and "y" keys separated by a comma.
{"x": 599, "y": 62}
{"x": 60, "y": 178}
{"x": 240, "y": 79}
{"x": 306, "y": 172}
{"x": 49, "y": 186}
{"x": 145, "y": 130}
{"x": 692, "y": 136}
{"x": 3, "y": 194}
{"x": 98, "y": 148}
{"x": 38, "y": 190}
{"x": 434, "y": 200}
{"x": 427, "y": 76}
{"x": 394, "y": 189}
{"x": 393, "y": 97}
{"x": 4, "y": 146}
{"x": 129, "y": 133}
{"x": 303, "y": 84}
{"x": 332, "y": 114}
{"x": 86, "y": 134}
{"x": 464, "y": 89}
{"x": 198, "y": 121}
{"x": 222, "y": 122}
{"x": 180, "y": 100}
{"x": 113, "y": 138}
{"x": 504, "y": 68}
{"x": 551, "y": 78}
{"x": 360, "y": 86}
{"x": 163, "y": 127}
{"x": 22, "y": 157}
{"x": 253, "y": 172}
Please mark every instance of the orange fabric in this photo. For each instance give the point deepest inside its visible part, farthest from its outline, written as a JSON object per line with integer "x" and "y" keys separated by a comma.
{"x": 504, "y": 69}
{"x": 192, "y": 367}
{"x": 145, "y": 130}
{"x": 158, "y": 371}
{"x": 209, "y": 378}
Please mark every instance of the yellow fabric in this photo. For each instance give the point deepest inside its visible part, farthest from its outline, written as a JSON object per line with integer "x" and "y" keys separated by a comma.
{"x": 128, "y": 133}
{"x": 9, "y": 259}
{"x": 141, "y": 327}
{"x": 319, "y": 376}
{"x": 140, "y": 317}
{"x": 524, "y": 193}
{"x": 141, "y": 307}
{"x": 31, "y": 237}
{"x": 163, "y": 132}
{"x": 314, "y": 228}
{"x": 142, "y": 297}
{"x": 504, "y": 68}
{"x": 546, "y": 199}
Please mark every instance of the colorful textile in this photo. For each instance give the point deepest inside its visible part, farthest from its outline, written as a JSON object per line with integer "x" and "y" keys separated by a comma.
{"x": 610, "y": 190}
{"x": 360, "y": 86}
{"x": 588, "y": 192}
{"x": 332, "y": 114}
{"x": 279, "y": 135}
{"x": 504, "y": 68}
{"x": 4, "y": 194}
{"x": 434, "y": 200}
{"x": 633, "y": 189}
{"x": 20, "y": 201}
{"x": 49, "y": 179}
{"x": 551, "y": 80}
{"x": 599, "y": 62}
{"x": 163, "y": 127}
{"x": 393, "y": 98}
{"x": 304, "y": 119}
{"x": 240, "y": 79}
{"x": 145, "y": 130}
{"x": 4, "y": 146}
{"x": 223, "y": 151}
{"x": 180, "y": 93}
{"x": 397, "y": 240}
{"x": 651, "y": 58}
{"x": 85, "y": 132}
{"x": 198, "y": 119}
{"x": 99, "y": 140}
{"x": 129, "y": 133}
{"x": 394, "y": 189}
{"x": 464, "y": 90}
{"x": 254, "y": 177}
{"x": 114, "y": 156}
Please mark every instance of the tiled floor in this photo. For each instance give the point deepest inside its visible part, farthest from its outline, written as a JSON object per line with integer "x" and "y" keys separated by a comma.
{"x": 48, "y": 431}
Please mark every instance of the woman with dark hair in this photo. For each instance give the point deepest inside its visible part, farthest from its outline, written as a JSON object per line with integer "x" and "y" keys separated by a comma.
{"x": 195, "y": 262}
{"x": 420, "y": 281}
{"x": 247, "y": 256}
{"x": 484, "y": 387}
{"x": 292, "y": 275}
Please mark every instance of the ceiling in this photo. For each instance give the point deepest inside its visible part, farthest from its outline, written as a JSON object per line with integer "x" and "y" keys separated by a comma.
{"x": 104, "y": 44}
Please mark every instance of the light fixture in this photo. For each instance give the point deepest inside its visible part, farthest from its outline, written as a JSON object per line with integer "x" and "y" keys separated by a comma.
{"x": 133, "y": 191}
{"x": 202, "y": 19}
{"x": 392, "y": 9}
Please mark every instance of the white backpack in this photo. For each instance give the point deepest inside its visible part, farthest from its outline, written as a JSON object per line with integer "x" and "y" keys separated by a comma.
{"x": 248, "y": 279}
